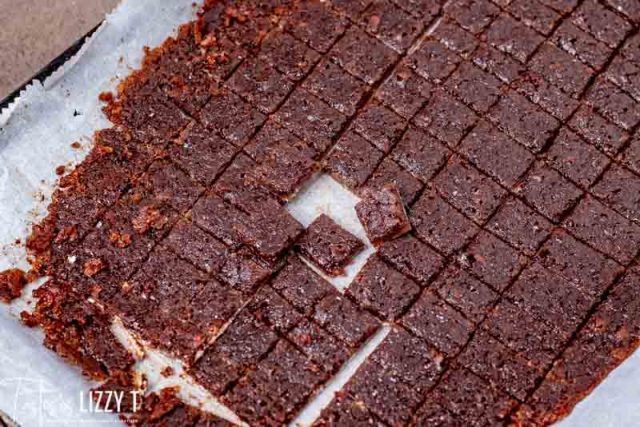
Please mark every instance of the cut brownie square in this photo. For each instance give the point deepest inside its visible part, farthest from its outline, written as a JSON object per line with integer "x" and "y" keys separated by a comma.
{"x": 523, "y": 121}
{"x": 561, "y": 69}
{"x": 391, "y": 24}
{"x": 601, "y": 23}
{"x": 474, "y": 87}
{"x": 310, "y": 119}
{"x": 272, "y": 137}
{"x": 587, "y": 269}
{"x": 619, "y": 189}
{"x": 382, "y": 289}
{"x": 316, "y": 24}
{"x": 420, "y": 154}
{"x": 438, "y": 323}
{"x": 219, "y": 218}
{"x": 597, "y": 130}
{"x": 345, "y": 411}
{"x": 534, "y": 14}
{"x": 631, "y": 48}
{"x": 439, "y": 224}
{"x": 547, "y": 96}
{"x": 446, "y": 118}
{"x": 497, "y": 63}
{"x": 548, "y": 298}
{"x": 270, "y": 230}
{"x": 342, "y": 318}
{"x": 628, "y": 8}
{"x": 260, "y": 84}
{"x": 273, "y": 310}
{"x": 382, "y": 214}
{"x": 230, "y": 116}
{"x": 433, "y": 61}
{"x": 520, "y": 225}
{"x": 351, "y": 8}
{"x": 196, "y": 246}
{"x": 322, "y": 348}
{"x": 472, "y": 400}
{"x": 505, "y": 369}
{"x": 465, "y": 292}
{"x": 379, "y": 125}
{"x": 279, "y": 385}
{"x": 335, "y": 86}
{"x": 288, "y": 55}
{"x": 455, "y": 38}
{"x": 548, "y": 192}
{"x": 425, "y": 9}
{"x": 492, "y": 260}
{"x": 510, "y": 36}
{"x": 202, "y": 154}
{"x": 329, "y": 246}
{"x": 496, "y": 154}
{"x": 631, "y": 155}
{"x": 352, "y": 160}
{"x": 581, "y": 45}
{"x": 433, "y": 414}
{"x": 576, "y": 159}
{"x": 472, "y": 15}
{"x": 605, "y": 229}
{"x": 521, "y": 332}
{"x": 283, "y": 168}
{"x": 473, "y": 193}
{"x": 171, "y": 185}
{"x": 148, "y": 113}
{"x": 412, "y": 257}
{"x": 387, "y": 172}
{"x": 404, "y": 92}
{"x": 362, "y": 55}
{"x": 614, "y": 104}
{"x": 394, "y": 379}
{"x": 301, "y": 286}
{"x": 240, "y": 346}
{"x": 624, "y": 73}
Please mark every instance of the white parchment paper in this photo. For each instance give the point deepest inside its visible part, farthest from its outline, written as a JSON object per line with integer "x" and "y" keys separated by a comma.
{"x": 37, "y": 388}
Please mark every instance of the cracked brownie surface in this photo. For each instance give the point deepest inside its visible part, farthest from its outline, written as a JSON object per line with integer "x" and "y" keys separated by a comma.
{"x": 504, "y": 134}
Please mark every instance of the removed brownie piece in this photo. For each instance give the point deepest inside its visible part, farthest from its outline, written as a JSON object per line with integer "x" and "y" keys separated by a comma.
{"x": 329, "y": 246}
{"x": 382, "y": 214}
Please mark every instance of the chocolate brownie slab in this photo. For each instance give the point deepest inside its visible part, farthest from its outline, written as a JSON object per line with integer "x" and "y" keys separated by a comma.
{"x": 508, "y": 133}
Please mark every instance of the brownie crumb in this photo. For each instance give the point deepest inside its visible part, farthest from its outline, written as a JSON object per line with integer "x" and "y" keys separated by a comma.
{"x": 12, "y": 282}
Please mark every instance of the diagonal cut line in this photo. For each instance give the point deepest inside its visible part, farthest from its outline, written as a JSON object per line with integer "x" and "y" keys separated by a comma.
{"x": 307, "y": 416}
{"x": 151, "y": 362}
